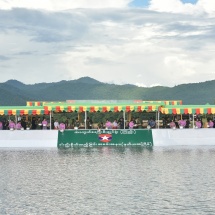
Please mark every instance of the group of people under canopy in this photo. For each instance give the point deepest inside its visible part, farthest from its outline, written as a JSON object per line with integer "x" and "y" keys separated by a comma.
{"x": 134, "y": 123}
{"x": 23, "y": 124}
{"x": 186, "y": 123}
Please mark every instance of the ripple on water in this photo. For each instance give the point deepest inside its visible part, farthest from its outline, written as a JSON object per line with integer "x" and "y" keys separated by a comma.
{"x": 174, "y": 180}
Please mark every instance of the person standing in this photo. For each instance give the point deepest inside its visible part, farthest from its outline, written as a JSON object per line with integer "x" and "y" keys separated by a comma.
{"x": 23, "y": 123}
{"x": 56, "y": 125}
{"x": 33, "y": 123}
{"x": 44, "y": 124}
{"x": 121, "y": 123}
{"x": 187, "y": 123}
{"x": 89, "y": 123}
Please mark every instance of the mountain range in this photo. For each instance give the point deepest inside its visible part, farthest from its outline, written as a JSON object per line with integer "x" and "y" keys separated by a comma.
{"x": 14, "y": 93}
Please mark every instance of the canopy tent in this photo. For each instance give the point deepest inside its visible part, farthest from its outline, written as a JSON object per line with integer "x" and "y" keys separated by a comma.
{"x": 22, "y": 110}
{"x": 34, "y": 103}
{"x": 105, "y": 106}
{"x": 102, "y": 108}
{"x": 188, "y": 109}
{"x": 165, "y": 102}
{"x": 102, "y": 102}
{"x": 177, "y": 102}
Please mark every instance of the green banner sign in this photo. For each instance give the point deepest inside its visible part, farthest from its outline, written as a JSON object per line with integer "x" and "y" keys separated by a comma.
{"x": 115, "y": 137}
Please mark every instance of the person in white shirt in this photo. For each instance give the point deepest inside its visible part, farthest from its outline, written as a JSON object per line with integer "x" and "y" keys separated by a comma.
{"x": 56, "y": 125}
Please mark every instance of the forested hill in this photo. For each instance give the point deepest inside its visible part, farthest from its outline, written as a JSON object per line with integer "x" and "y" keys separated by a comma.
{"x": 14, "y": 92}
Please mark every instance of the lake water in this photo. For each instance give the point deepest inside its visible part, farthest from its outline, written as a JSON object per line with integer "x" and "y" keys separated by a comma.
{"x": 170, "y": 180}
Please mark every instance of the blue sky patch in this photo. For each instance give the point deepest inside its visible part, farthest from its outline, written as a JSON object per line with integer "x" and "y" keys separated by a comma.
{"x": 145, "y": 3}
{"x": 190, "y": 1}
{"x": 139, "y": 3}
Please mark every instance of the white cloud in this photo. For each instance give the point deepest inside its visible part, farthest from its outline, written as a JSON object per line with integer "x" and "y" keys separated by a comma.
{"x": 177, "y": 6}
{"x": 57, "y": 5}
{"x": 111, "y": 45}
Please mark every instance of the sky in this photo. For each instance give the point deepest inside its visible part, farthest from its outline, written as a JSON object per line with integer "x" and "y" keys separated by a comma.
{"x": 141, "y": 42}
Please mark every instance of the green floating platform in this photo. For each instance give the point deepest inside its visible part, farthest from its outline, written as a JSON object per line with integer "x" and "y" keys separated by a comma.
{"x": 115, "y": 137}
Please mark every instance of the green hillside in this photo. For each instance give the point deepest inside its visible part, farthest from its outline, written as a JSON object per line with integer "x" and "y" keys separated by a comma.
{"x": 14, "y": 92}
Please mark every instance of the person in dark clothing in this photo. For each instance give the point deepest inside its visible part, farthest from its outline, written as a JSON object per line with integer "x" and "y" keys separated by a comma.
{"x": 77, "y": 123}
{"x": 33, "y": 123}
{"x": 5, "y": 124}
{"x": 39, "y": 123}
{"x": 176, "y": 123}
{"x": 23, "y": 123}
{"x": 121, "y": 123}
{"x": 89, "y": 123}
{"x": 187, "y": 123}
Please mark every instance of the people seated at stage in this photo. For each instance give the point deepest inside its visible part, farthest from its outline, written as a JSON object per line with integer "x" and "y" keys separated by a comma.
{"x": 205, "y": 125}
{"x": 172, "y": 124}
{"x": 198, "y": 123}
{"x": 34, "y": 122}
{"x": 1, "y": 125}
{"x": 108, "y": 124}
{"x": 182, "y": 123}
{"x": 12, "y": 125}
{"x": 18, "y": 126}
{"x": 114, "y": 124}
{"x": 101, "y": 125}
{"x": 152, "y": 123}
{"x": 62, "y": 126}
{"x": 137, "y": 123}
{"x": 76, "y": 123}
{"x": 131, "y": 124}
{"x": 210, "y": 124}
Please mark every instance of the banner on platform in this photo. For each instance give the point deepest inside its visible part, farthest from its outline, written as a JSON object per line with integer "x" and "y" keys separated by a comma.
{"x": 103, "y": 137}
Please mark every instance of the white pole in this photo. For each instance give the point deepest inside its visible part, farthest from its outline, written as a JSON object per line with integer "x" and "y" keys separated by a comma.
{"x": 193, "y": 121}
{"x": 124, "y": 118}
{"x": 85, "y": 121}
{"x": 50, "y": 115}
{"x": 158, "y": 119}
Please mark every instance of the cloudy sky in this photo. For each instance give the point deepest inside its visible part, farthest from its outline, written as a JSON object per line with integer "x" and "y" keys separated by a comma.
{"x": 142, "y": 42}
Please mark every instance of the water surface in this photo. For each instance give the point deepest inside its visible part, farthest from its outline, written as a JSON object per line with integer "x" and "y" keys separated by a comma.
{"x": 162, "y": 180}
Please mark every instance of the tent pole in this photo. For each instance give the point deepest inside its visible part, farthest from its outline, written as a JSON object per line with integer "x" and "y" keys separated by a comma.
{"x": 50, "y": 115}
{"x": 193, "y": 121}
{"x": 124, "y": 118}
{"x": 85, "y": 121}
{"x": 158, "y": 119}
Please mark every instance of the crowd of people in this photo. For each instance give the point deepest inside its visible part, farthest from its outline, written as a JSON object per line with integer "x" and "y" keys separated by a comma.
{"x": 189, "y": 123}
{"x": 37, "y": 123}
